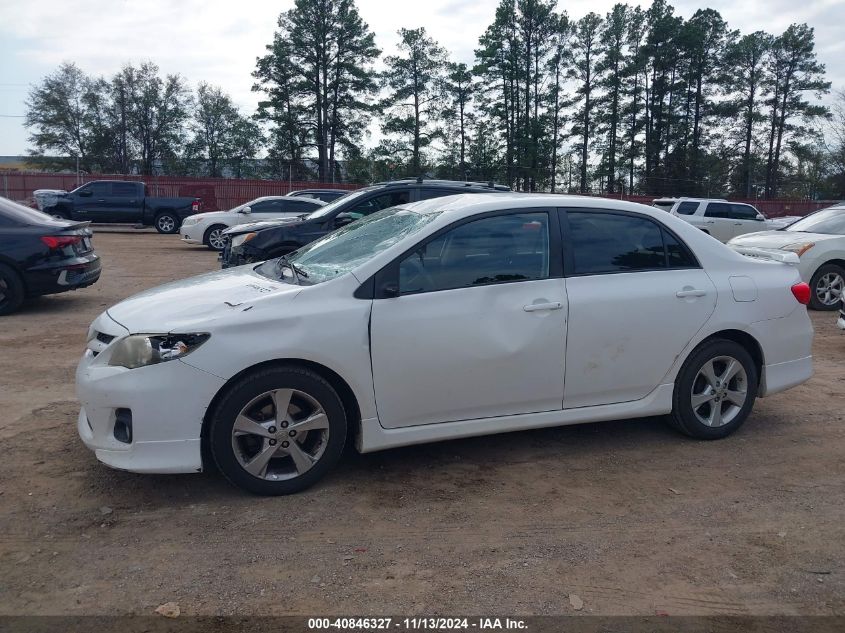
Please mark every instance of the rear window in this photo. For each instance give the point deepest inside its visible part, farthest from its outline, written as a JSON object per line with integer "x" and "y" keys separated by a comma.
{"x": 14, "y": 213}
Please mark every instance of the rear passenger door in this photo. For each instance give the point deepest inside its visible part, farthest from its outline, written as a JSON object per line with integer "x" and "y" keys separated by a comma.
{"x": 637, "y": 296}
{"x": 124, "y": 203}
{"x": 718, "y": 221}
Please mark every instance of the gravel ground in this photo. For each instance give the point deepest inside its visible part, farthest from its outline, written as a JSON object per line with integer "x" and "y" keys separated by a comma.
{"x": 630, "y": 517}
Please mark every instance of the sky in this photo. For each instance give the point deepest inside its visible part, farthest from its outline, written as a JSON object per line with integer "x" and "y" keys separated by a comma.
{"x": 213, "y": 41}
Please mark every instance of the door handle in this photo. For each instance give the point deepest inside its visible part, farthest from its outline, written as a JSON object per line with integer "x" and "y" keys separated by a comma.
{"x": 737, "y": 223}
{"x": 682, "y": 294}
{"x": 709, "y": 222}
{"x": 535, "y": 307}
{"x": 100, "y": 200}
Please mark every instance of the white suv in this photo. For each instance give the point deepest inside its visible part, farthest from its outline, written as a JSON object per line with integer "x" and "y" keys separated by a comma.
{"x": 725, "y": 220}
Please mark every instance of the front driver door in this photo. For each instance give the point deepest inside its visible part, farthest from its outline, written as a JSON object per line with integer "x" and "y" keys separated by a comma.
{"x": 478, "y": 328}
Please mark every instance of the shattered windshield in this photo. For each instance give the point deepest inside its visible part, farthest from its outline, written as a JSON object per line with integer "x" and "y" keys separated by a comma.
{"x": 345, "y": 249}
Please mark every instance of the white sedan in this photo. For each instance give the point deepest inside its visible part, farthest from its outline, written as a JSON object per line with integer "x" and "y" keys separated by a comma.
{"x": 446, "y": 318}
{"x": 819, "y": 242}
{"x": 207, "y": 228}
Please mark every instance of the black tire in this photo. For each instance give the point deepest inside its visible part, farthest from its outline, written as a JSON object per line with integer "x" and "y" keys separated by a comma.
{"x": 684, "y": 418}
{"x": 823, "y": 272}
{"x": 206, "y": 238}
{"x": 12, "y": 291}
{"x": 246, "y": 390}
{"x": 167, "y": 222}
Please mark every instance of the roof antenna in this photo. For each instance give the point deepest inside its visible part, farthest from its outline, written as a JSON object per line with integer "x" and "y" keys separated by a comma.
{"x": 419, "y": 179}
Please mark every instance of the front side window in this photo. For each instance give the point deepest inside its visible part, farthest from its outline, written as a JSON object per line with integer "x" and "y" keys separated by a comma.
{"x": 743, "y": 212}
{"x": 498, "y": 249}
{"x": 611, "y": 243}
{"x": 377, "y": 203}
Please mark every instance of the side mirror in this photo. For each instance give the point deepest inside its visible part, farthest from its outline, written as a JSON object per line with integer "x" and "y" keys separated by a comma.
{"x": 342, "y": 219}
{"x": 760, "y": 217}
{"x": 246, "y": 210}
{"x": 85, "y": 193}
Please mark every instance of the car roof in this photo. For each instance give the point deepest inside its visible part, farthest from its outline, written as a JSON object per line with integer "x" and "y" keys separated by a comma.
{"x": 460, "y": 184}
{"x": 319, "y": 203}
{"x": 687, "y": 199}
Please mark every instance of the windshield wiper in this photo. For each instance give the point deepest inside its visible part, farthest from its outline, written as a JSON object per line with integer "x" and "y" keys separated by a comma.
{"x": 296, "y": 270}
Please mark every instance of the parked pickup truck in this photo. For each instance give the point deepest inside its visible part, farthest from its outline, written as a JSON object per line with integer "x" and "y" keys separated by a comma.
{"x": 121, "y": 201}
{"x": 725, "y": 220}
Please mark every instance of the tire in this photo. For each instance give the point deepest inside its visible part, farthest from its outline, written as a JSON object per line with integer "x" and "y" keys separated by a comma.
{"x": 167, "y": 222}
{"x": 213, "y": 234}
{"x": 12, "y": 291}
{"x": 705, "y": 421}
{"x": 827, "y": 287}
{"x": 249, "y": 405}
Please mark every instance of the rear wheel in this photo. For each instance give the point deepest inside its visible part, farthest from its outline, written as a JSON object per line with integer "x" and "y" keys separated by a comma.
{"x": 828, "y": 286}
{"x": 715, "y": 390}
{"x": 11, "y": 290}
{"x": 278, "y": 431}
{"x": 214, "y": 238}
{"x": 167, "y": 222}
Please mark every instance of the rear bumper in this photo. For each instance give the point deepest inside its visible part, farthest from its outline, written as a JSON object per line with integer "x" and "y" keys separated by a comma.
{"x": 783, "y": 376}
{"x": 69, "y": 275}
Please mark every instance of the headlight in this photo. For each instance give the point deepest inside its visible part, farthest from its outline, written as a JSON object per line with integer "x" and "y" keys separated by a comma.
{"x": 140, "y": 350}
{"x": 799, "y": 248}
{"x": 241, "y": 239}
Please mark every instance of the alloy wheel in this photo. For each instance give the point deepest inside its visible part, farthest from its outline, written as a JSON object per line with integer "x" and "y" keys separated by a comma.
{"x": 166, "y": 224}
{"x": 217, "y": 240}
{"x": 281, "y": 434}
{"x": 829, "y": 288}
{"x": 719, "y": 391}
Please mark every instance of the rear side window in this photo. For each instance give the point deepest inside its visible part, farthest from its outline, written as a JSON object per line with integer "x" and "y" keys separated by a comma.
{"x": 687, "y": 208}
{"x": 610, "y": 243}
{"x": 124, "y": 189}
{"x": 718, "y": 210}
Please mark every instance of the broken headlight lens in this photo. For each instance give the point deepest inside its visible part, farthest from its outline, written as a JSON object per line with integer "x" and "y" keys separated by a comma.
{"x": 140, "y": 350}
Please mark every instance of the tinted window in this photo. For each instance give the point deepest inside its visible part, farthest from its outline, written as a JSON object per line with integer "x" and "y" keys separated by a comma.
{"x": 607, "y": 243}
{"x": 718, "y": 210}
{"x": 687, "y": 208}
{"x": 743, "y": 212}
{"x": 498, "y": 249}
{"x": 428, "y": 194}
{"x": 377, "y": 203}
{"x": 124, "y": 189}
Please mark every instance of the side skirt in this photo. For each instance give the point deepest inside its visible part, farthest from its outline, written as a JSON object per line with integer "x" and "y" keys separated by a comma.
{"x": 374, "y": 437}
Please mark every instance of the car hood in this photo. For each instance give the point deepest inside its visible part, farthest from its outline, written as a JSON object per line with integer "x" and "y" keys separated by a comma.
{"x": 778, "y": 239}
{"x": 212, "y": 215}
{"x": 263, "y": 224}
{"x": 196, "y": 302}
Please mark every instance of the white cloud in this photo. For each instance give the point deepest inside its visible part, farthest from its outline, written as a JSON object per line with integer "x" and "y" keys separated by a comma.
{"x": 219, "y": 41}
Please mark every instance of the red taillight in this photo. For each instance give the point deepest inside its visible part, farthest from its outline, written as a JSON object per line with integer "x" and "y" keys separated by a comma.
{"x": 802, "y": 293}
{"x": 61, "y": 241}
{"x": 195, "y": 206}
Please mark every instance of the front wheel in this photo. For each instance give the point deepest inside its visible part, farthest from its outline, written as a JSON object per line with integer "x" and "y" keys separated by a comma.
{"x": 167, "y": 222}
{"x": 828, "y": 286}
{"x": 214, "y": 238}
{"x": 715, "y": 390}
{"x": 278, "y": 431}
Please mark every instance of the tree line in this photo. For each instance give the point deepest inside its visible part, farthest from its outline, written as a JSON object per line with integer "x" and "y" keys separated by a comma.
{"x": 634, "y": 101}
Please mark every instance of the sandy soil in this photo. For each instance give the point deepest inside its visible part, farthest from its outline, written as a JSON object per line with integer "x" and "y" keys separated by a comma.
{"x": 629, "y": 516}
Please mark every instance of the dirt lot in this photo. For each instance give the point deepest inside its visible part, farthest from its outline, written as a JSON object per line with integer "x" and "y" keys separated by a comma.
{"x": 629, "y": 516}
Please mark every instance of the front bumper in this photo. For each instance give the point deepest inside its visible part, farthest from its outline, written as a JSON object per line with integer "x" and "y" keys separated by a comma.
{"x": 193, "y": 233}
{"x": 70, "y": 274}
{"x": 167, "y": 401}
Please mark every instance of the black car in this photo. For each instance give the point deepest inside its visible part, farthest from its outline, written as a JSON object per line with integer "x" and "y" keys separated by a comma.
{"x": 122, "y": 201}
{"x": 326, "y": 195}
{"x": 41, "y": 255}
{"x": 256, "y": 243}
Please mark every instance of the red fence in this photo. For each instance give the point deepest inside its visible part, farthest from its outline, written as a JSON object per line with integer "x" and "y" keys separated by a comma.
{"x": 216, "y": 193}
{"x": 225, "y": 193}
